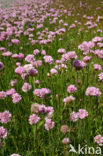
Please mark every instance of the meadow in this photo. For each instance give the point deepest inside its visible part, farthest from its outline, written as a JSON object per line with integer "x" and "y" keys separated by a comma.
{"x": 51, "y": 78}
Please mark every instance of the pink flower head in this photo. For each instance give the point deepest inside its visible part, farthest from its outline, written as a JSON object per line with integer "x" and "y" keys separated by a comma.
{"x": 26, "y": 87}
{"x": 5, "y": 117}
{"x": 33, "y": 119}
{"x": 49, "y": 124}
{"x": 99, "y": 140}
{"x": 36, "y": 52}
{"x": 71, "y": 89}
{"x": 3, "y": 132}
{"x": 16, "y": 98}
{"x": 42, "y": 109}
{"x": 3, "y": 95}
{"x": 10, "y": 91}
{"x": 53, "y": 71}
{"x": 15, "y": 41}
{"x": 69, "y": 99}
{"x": 14, "y": 154}
{"x": 74, "y": 116}
{"x": 97, "y": 67}
{"x": 61, "y": 51}
{"x": 1, "y": 66}
{"x": 48, "y": 59}
{"x": 101, "y": 76}
{"x": 82, "y": 113}
{"x": 65, "y": 141}
{"x": 41, "y": 92}
{"x": 93, "y": 91}
{"x": 19, "y": 70}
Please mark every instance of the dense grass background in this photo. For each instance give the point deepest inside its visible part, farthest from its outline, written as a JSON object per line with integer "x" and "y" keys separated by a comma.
{"x": 30, "y": 140}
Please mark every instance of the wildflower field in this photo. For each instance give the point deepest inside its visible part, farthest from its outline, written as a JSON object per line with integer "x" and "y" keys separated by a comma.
{"x": 51, "y": 78}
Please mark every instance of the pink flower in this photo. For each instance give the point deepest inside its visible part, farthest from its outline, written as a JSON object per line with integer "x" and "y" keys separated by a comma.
{"x": 19, "y": 70}
{"x": 3, "y": 132}
{"x": 26, "y": 87}
{"x": 5, "y": 116}
{"x": 8, "y": 53}
{"x": 65, "y": 141}
{"x": 48, "y": 59}
{"x": 97, "y": 67}
{"x": 15, "y": 41}
{"x": 69, "y": 99}
{"x": 3, "y": 95}
{"x": 29, "y": 58}
{"x": 53, "y": 71}
{"x": 36, "y": 52}
{"x": 101, "y": 76}
{"x": 15, "y": 154}
{"x": 13, "y": 82}
{"x": 16, "y": 98}
{"x": 49, "y": 124}
{"x": 84, "y": 46}
{"x": 74, "y": 116}
{"x": 1, "y": 66}
{"x": 99, "y": 140}
{"x": 43, "y": 52}
{"x": 87, "y": 58}
{"x": 93, "y": 91}
{"x": 41, "y": 92}
{"x": 10, "y": 91}
{"x": 33, "y": 119}
{"x": 82, "y": 113}
{"x": 42, "y": 109}
{"x": 61, "y": 51}
{"x": 71, "y": 89}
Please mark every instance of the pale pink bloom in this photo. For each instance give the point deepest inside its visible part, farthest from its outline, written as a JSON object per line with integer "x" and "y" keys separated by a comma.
{"x": 5, "y": 117}
{"x": 48, "y": 59}
{"x": 65, "y": 141}
{"x": 15, "y": 41}
{"x": 3, "y": 95}
{"x": 101, "y": 76}
{"x": 41, "y": 92}
{"x": 28, "y": 67}
{"x": 71, "y": 89}
{"x": 84, "y": 46}
{"x": 13, "y": 82}
{"x": 93, "y": 91}
{"x": 16, "y": 98}
{"x": 8, "y": 53}
{"x": 18, "y": 64}
{"x": 29, "y": 58}
{"x": 49, "y": 124}
{"x": 69, "y": 99}
{"x": 42, "y": 109}
{"x": 33, "y": 119}
{"x": 3, "y": 132}
{"x": 96, "y": 39}
{"x": 97, "y": 67}
{"x": 10, "y": 91}
{"x": 74, "y": 116}
{"x": 19, "y": 70}
{"x": 61, "y": 51}
{"x": 99, "y": 140}
{"x": 14, "y": 154}
{"x": 87, "y": 58}
{"x": 82, "y": 113}
{"x": 26, "y": 87}
{"x": 1, "y": 66}
{"x": 36, "y": 52}
{"x": 53, "y": 71}
{"x": 36, "y": 82}
{"x": 43, "y": 52}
